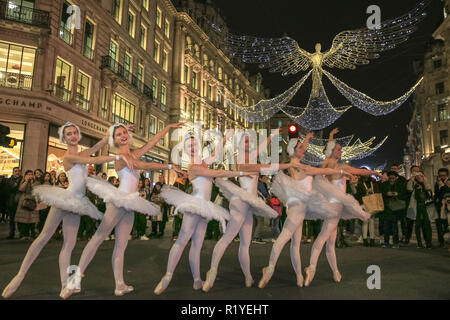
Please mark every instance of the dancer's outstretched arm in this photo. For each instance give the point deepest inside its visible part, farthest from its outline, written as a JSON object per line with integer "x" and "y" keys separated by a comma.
{"x": 361, "y": 172}
{"x": 154, "y": 166}
{"x": 205, "y": 172}
{"x": 312, "y": 171}
{"x": 97, "y": 160}
{"x": 153, "y": 141}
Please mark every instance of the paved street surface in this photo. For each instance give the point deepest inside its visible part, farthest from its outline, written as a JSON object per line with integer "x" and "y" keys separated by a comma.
{"x": 406, "y": 273}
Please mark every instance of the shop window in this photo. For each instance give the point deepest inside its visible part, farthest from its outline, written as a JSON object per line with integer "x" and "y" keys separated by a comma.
{"x": 16, "y": 66}
{"x": 12, "y": 157}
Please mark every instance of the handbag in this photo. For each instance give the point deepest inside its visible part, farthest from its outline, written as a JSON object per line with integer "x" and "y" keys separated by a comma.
{"x": 397, "y": 204}
{"x": 373, "y": 203}
{"x": 29, "y": 204}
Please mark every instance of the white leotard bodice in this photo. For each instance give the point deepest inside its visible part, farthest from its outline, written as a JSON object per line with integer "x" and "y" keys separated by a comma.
{"x": 77, "y": 179}
{"x": 249, "y": 184}
{"x": 307, "y": 183}
{"x": 202, "y": 187}
{"x": 129, "y": 180}
{"x": 341, "y": 184}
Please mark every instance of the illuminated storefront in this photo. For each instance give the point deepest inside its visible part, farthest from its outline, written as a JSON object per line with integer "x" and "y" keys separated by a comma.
{"x": 12, "y": 157}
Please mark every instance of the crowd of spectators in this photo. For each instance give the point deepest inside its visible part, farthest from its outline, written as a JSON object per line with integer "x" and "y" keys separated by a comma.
{"x": 408, "y": 205}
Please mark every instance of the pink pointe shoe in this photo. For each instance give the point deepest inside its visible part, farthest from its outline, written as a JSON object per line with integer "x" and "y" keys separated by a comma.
{"x": 12, "y": 286}
{"x": 337, "y": 276}
{"x": 210, "y": 278}
{"x": 163, "y": 284}
{"x": 310, "y": 272}
{"x": 300, "y": 280}
{"x": 267, "y": 274}
{"x": 122, "y": 289}
{"x": 198, "y": 284}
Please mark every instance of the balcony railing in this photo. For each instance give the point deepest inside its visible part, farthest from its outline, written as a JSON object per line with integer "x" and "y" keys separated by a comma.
{"x": 16, "y": 80}
{"x": 82, "y": 102}
{"x": 62, "y": 93}
{"x": 13, "y": 12}
{"x": 118, "y": 119}
{"x": 119, "y": 70}
{"x": 66, "y": 35}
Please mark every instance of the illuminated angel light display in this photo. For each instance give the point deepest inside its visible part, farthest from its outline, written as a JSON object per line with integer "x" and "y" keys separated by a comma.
{"x": 349, "y": 49}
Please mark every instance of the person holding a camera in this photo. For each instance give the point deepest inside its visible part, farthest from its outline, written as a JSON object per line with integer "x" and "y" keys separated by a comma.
{"x": 26, "y": 215}
{"x": 421, "y": 208}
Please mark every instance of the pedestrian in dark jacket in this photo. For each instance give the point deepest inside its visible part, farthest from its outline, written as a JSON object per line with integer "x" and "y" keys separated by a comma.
{"x": 12, "y": 185}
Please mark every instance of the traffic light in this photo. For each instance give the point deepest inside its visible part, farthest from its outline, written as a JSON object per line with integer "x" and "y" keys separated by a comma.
{"x": 6, "y": 141}
{"x": 293, "y": 131}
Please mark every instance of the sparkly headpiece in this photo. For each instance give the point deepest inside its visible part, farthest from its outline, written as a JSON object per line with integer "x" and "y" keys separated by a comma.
{"x": 291, "y": 146}
{"x": 63, "y": 127}
{"x": 111, "y": 130}
{"x": 329, "y": 148}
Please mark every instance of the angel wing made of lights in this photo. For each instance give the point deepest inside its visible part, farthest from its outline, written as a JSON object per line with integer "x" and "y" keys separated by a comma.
{"x": 349, "y": 49}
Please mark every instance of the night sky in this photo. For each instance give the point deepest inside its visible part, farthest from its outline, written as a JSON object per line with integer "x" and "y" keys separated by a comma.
{"x": 385, "y": 78}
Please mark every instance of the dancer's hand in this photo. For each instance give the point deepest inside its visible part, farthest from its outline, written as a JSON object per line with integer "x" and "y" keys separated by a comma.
{"x": 180, "y": 172}
{"x": 175, "y": 125}
{"x": 348, "y": 175}
{"x": 296, "y": 165}
{"x": 309, "y": 135}
{"x": 332, "y": 133}
{"x": 255, "y": 174}
{"x": 130, "y": 127}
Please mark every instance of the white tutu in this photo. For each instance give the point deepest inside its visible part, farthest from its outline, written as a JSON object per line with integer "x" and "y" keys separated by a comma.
{"x": 288, "y": 189}
{"x": 351, "y": 210}
{"x": 257, "y": 205}
{"x": 66, "y": 200}
{"x": 120, "y": 199}
{"x": 188, "y": 203}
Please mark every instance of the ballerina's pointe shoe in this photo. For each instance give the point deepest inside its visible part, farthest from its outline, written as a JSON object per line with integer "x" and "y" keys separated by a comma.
{"x": 267, "y": 274}
{"x": 198, "y": 284}
{"x": 310, "y": 271}
{"x": 72, "y": 287}
{"x": 12, "y": 287}
{"x": 122, "y": 289}
{"x": 163, "y": 284}
{"x": 210, "y": 278}
{"x": 300, "y": 280}
{"x": 337, "y": 276}
{"x": 249, "y": 282}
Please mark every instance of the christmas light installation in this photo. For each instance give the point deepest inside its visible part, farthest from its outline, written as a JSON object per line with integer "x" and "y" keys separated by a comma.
{"x": 349, "y": 49}
{"x": 350, "y": 151}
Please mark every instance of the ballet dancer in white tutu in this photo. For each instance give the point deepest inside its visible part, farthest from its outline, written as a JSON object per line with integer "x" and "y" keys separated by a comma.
{"x": 244, "y": 202}
{"x": 295, "y": 191}
{"x": 345, "y": 206}
{"x": 66, "y": 204}
{"x": 120, "y": 205}
{"x": 198, "y": 210}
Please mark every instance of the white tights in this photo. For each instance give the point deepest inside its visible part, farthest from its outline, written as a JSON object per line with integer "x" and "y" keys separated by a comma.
{"x": 193, "y": 226}
{"x": 122, "y": 221}
{"x": 327, "y": 235}
{"x": 241, "y": 222}
{"x": 70, "y": 226}
{"x": 292, "y": 228}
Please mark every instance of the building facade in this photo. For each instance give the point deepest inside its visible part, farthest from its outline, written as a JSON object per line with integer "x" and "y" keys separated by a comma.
{"x": 98, "y": 62}
{"x": 203, "y": 76}
{"x": 432, "y": 110}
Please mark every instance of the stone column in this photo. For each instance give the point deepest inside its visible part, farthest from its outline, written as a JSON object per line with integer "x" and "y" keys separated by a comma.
{"x": 35, "y": 145}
